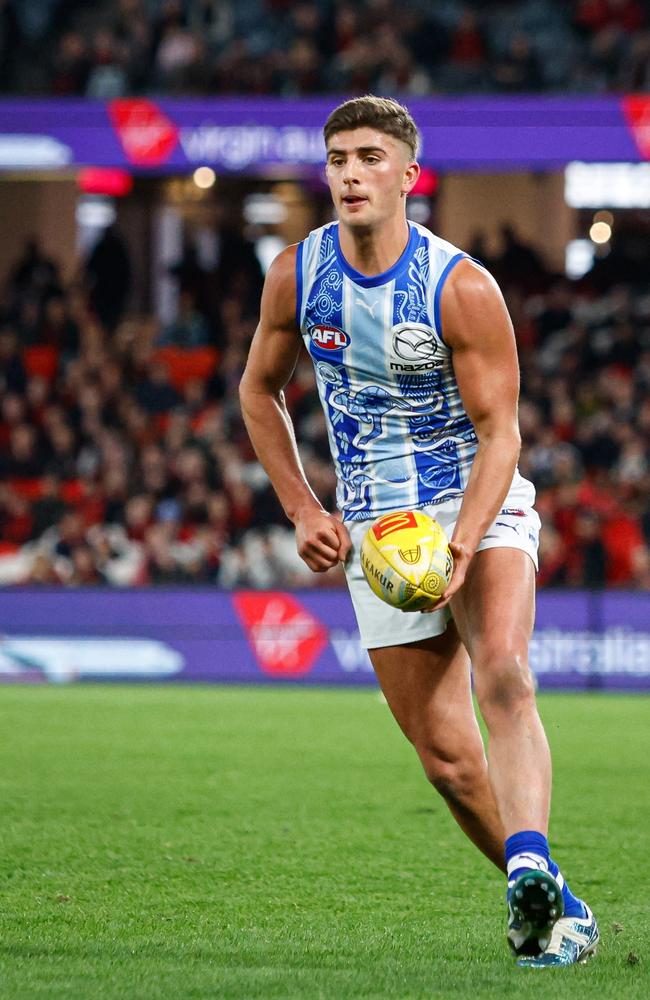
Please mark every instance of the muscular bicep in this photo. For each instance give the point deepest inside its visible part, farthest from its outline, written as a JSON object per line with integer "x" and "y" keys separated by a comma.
{"x": 276, "y": 345}
{"x": 479, "y": 331}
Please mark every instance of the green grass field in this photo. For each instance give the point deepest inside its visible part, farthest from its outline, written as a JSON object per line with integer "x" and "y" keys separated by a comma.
{"x": 230, "y": 842}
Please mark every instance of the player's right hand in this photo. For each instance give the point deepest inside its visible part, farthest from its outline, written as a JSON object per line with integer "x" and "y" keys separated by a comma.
{"x": 462, "y": 557}
{"x": 322, "y": 540}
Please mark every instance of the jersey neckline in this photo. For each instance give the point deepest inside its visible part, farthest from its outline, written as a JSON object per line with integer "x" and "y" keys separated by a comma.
{"x": 370, "y": 281}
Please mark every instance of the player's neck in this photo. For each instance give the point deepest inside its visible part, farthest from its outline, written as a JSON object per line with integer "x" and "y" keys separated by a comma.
{"x": 373, "y": 251}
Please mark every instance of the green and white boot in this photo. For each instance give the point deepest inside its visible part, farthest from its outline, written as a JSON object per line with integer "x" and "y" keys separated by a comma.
{"x": 534, "y": 905}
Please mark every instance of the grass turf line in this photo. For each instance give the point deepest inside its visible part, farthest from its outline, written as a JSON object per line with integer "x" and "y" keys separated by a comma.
{"x": 163, "y": 842}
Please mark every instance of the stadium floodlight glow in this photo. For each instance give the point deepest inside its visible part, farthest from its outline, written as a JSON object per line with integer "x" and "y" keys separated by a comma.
{"x": 607, "y": 185}
{"x": 418, "y": 209}
{"x": 267, "y": 248}
{"x": 578, "y": 258}
{"x": 600, "y": 232}
{"x": 95, "y": 212}
{"x": 25, "y": 151}
{"x": 264, "y": 210}
{"x": 204, "y": 177}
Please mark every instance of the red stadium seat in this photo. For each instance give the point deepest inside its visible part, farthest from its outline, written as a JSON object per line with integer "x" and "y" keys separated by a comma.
{"x": 161, "y": 423}
{"x": 201, "y": 363}
{"x": 72, "y": 491}
{"x": 41, "y": 359}
{"x": 29, "y": 489}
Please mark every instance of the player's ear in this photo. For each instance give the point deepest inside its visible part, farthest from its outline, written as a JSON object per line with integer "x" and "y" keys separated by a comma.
{"x": 411, "y": 175}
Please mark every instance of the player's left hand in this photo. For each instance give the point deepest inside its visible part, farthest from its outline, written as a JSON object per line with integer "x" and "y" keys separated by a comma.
{"x": 462, "y": 556}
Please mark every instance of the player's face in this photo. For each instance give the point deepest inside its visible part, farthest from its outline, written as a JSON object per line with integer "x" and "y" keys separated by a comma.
{"x": 369, "y": 174}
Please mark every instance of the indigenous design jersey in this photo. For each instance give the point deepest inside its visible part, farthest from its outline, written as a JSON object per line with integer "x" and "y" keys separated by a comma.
{"x": 398, "y": 432}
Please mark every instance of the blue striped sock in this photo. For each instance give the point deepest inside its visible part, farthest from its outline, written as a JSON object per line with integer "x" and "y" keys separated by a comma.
{"x": 573, "y": 907}
{"x": 525, "y": 850}
{"x": 529, "y": 850}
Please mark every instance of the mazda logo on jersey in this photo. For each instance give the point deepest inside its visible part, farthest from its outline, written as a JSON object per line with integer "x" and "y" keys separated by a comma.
{"x": 415, "y": 348}
{"x": 329, "y": 338}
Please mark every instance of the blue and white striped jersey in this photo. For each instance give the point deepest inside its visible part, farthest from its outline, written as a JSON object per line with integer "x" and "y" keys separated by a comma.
{"x": 399, "y": 435}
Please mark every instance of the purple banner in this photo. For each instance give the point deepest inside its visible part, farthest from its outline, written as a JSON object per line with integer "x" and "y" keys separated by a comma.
{"x": 582, "y": 639}
{"x": 246, "y": 135}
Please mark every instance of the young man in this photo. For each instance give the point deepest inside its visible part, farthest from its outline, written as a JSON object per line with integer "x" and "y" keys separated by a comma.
{"x": 417, "y": 372}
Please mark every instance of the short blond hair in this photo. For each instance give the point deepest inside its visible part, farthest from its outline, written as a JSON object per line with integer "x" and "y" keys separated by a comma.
{"x": 381, "y": 113}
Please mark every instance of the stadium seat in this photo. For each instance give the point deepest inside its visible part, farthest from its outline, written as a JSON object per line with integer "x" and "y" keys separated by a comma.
{"x": 72, "y": 491}
{"x": 29, "y": 489}
{"x": 201, "y": 363}
{"x": 41, "y": 359}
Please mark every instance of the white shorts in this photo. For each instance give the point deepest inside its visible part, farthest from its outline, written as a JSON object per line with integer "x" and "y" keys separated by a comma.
{"x": 516, "y": 526}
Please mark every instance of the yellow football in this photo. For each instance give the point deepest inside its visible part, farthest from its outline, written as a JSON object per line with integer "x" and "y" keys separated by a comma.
{"x": 406, "y": 560}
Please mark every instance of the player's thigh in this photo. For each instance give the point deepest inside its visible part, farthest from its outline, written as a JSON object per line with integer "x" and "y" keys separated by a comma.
{"x": 495, "y": 611}
{"x": 427, "y": 685}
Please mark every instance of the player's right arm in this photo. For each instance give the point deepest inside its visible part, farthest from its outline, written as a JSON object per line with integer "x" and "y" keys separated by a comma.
{"x": 321, "y": 538}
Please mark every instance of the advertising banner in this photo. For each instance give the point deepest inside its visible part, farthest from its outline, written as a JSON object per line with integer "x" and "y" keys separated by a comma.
{"x": 245, "y": 135}
{"x": 582, "y": 640}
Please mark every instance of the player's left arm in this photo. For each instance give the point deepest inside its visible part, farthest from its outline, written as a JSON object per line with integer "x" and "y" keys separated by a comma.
{"x": 479, "y": 332}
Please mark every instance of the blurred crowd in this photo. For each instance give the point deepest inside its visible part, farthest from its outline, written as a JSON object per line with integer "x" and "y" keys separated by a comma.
{"x": 124, "y": 460}
{"x": 118, "y": 47}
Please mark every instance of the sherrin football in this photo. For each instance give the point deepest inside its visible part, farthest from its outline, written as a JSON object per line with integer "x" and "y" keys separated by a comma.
{"x": 406, "y": 560}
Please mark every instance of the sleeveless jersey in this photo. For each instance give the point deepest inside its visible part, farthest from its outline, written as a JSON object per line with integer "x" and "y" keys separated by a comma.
{"x": 399, "y": 435}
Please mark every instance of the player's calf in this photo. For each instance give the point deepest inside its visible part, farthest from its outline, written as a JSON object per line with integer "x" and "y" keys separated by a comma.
{"x": 465, "y": 787}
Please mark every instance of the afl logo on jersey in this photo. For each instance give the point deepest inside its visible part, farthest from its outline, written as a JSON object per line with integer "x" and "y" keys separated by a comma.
{"x": 415, "y": 348}
{"x": 329, "y": 338}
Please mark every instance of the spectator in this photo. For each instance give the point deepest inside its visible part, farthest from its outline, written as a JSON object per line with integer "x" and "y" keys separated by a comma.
{"x": 43, "y": 572}
{"x": 62, "y": 457}
{"x": 23, "y": 460}
{"x": 69, "y": 534}
{"x": 588, "y": 560}
{"x": 84, "y": 570}
{"x": 71, "y": 67}
{"x": 189, "y": 329}
{"x": 107, "y": 78}
{"x": 13, "y": 378}
{"x": 57, "y": 328}
{"x": 49, "y": 508}
{"x": 519, "y": 262}
{"x": 9, "y": 42}
{"x": 16, "y": 522}
{"x": 108, "y": 271}
{"x": 35, "y": 276}
{"x": 467, "y": 56}
{"x": 155, "y": 393}
{"x": 518, "y": 69}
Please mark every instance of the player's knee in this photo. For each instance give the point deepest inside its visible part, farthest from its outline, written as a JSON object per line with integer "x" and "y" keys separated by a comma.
{"x": 454, "y": 779}
{"x": 503, "y": 682}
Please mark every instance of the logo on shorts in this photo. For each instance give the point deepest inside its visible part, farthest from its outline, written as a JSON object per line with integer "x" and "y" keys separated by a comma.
{"x": 415, "y": 348}
{"x": 513, "y": 512}
{"x": 329, "y": 338}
